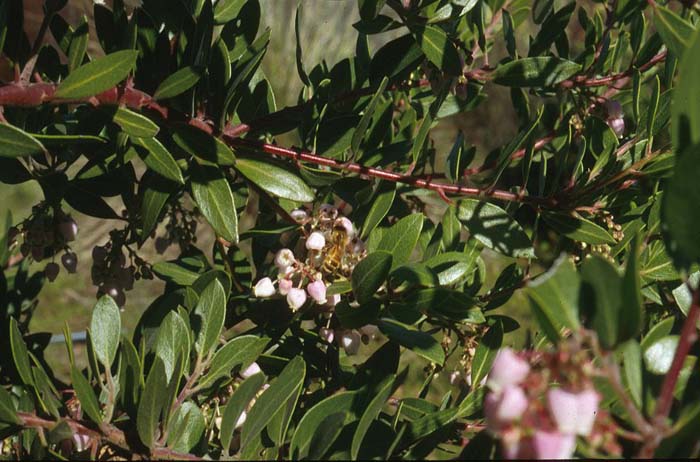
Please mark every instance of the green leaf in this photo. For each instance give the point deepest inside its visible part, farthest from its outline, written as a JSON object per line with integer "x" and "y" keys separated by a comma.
{"x": 632, "y": 368}
{"x": 20, "y": 353}
{"x": 178, "y": 83}
{"x": 439, "y": 49}
{"x": 159, "y": 159}
{"x": 401, "y": 238}
{"x": 352, "y": 317}
{"x": 181, "y": 272}
{"x": 556, "y": 294}
{"x": 240, "y": 351}
{"x": 493, "y": 227}
{"x": 276, "y": 180}
{"x": 348, "y": 402}
{"x": 97, "y": 76}
{"x": 238, "y": 402}
{"x": 203, "y": 145}
{"x": 185, "y": 427}
{"x": 486, "y": 352}
{"x": 288, "y": 383}
{"x": 212, "y": 193}
{"x": 369, "y": 9}
{"x": 452, "y": 304}
{"x": 396, "y": 58}
{"x": 86, "y": 396}
{"x": 383, "y": 200}
{"x": 17, "y": 143}
{"x": 680, "y": 226}
{"x": 359, "y": 133}
{"x": 299, "y": 59}
{"x": 105, "y": 326}
{"x": 154, "y": 197}
{"x": 601, "y": 292}
{"x": 369, "y": 275}
{"x": 134, "y": 124}
{"x": 659, "y": 355}
{"x": 578, "y": 228}
{"x": 455, "y": 163}
{"x": 328, "y": 432}
{"x": 631, "y": 311}
{"x": 675, "y": 31}
{"x": 421, "y": 343}
{"x": 8, "y": 413}
{"x": 381, "y": 394}
{"x": 78, "y": 44}
{"x": 208, "y": 317}
{"x": 683, "y": 295}
{"x": 542, "y": 71}
{"x": 151, "y": 404}
{"x": 685, "y": 110}
{"x": 227, "y": 10}
{"x": 172, "y": 342}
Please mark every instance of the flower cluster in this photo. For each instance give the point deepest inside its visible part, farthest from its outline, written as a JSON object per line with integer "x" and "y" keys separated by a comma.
{"x": 534, "y": 419}
{"x": 45, "y": 234}
{"x": 331, "y": 249}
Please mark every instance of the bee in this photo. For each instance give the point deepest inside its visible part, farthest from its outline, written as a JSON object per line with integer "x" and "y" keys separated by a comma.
{"x": 335, "y": 249}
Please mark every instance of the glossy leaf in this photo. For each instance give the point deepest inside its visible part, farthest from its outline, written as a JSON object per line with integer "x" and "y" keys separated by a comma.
{"x": 543, "y": 71}
{"x": 439, "y": 49}
{"x": 240, "y": 351}
{"x": 203, "y": 145}
{"x": 8, "y": 413}
{"x": 578, "y": 228}
{"x": 369, "y": 275}
{"x": 493, "y": 227}
{"x": 382, "y": 393}
{"x": 86, "y": 396}
{"x": 287, "y": 384}
{"x": 383, "y": 199}
{"x": 276, "y": 180}
{"x": 675, "y": 31}
{"x": 212, "y": 193}
{"x": 659, "y": 355}
{"x": 20, "y": 354}
{"x": 17, "y": 143}
{"x": 159, "y": 159}
{"x": 486, "y": 352}
{"x": 400, "y": 239}
{"x": 421, "y": 343}
{"x": 178, "y": 82}
{"x": 237, "y": 404}
{"x": 359, "y": 132}
{"x": 134, "y": 124}
{"x": 97, "y": 76}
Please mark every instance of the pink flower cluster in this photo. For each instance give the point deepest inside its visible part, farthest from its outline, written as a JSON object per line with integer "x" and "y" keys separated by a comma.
{"x": 349, "y": 339}
{"x": 528, "y": 428}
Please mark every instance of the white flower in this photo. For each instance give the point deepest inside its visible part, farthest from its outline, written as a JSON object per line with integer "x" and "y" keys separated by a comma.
{"x": 508, "y": 369}
{"x": 574, "y": 413}
{"x": 285, "y": 285}
{"x": 317, "y": 291}
{"x": 264, "y": 288}
{"x": 284, "y": 259}
{"x": 250, "y": 370}
{"x": 501, "y": 408}
{"x": 299, "y": 214}
{"x": 618, "y": 126}
{"x": 347, "y": 224}
{"x": 315, "y": 241}
{"x": 296, "y": 298}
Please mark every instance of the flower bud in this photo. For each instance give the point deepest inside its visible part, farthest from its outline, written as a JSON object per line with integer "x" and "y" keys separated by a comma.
{"x": 573, "y": 413}
{"x": 299, "y": 214}
{"x": 326, "y": 334}
{"x": 296, "y": 298}
{"x": 368, "y": 332}
{"x": 508, "y": 369}
{"x": 501, "y": 408}
{"x": 284, "y": 259}
{"x": 552, "y": 445}
{"x": 315, "y": 241}
{"x": 614, "y": 109}
{"x": 264, "y": 288}
{"x": 285, "y": 285}
{"x": 70, "y": 261}
{"x": 81, "y": 441}
{"x": 99, "y": 253}
{"x": 618, "y": 126}
{"x": 350, "y": 341}
{"x": 68, "y": 229}
{"x": 317, "y": 291}
{"x": 250, "y": 370}
{"x": 51, "y": 271}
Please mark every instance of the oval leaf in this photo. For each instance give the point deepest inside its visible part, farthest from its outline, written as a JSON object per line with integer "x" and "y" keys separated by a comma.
{"x": 177, "y": 83}
{"x": 212, "y": 193}
{"x": 105, "y": 328}
{"x": 97, "y": 76}
{"x": 17, "y": 143}
{"x": 543, "y": 71}
{"x": 275, "y": 180}
{"x": 370, "y": 274}
{"x": 159, "y": 159}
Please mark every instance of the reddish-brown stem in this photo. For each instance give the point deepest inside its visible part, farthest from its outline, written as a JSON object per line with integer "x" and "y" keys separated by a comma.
{"x": 584, "y": 81}
{"x": 306, "y": 156}
{"x": 688, "y": 336}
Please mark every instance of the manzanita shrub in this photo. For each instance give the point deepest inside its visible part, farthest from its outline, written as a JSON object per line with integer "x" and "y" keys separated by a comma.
{"x": 356, "y": 311}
